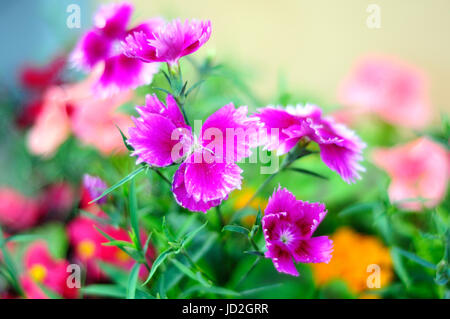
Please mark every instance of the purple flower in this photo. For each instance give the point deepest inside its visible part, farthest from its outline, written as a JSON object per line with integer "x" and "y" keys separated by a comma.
{"x": 208, "y": 170}
{"x": 169, "y": 43}
{"x": 340, "y": 148}
{"x": 94, "y": 186}
{"x": 101, "y": 44}
{"x": 288, "y": 226}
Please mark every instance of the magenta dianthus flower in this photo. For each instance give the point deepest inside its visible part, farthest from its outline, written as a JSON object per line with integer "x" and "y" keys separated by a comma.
{"x": 169, "y": 43}
{"x": 288, "y": 225}
{"x": 340, "y": 148}
{"x": 94, "y": 186}
{"x": 208, "y": 170}
{"x": 101, "y": 44}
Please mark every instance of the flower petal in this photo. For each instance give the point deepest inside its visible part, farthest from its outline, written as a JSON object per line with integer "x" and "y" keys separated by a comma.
{"x": 313, "y": 250}
{"x": 186, "y": 200}
{"x": 210, "y": 180}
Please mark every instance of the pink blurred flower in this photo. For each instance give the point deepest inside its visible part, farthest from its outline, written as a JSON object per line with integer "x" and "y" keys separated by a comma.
{"x": 168, "y": 43}
{"x": 87, "y": 241}
{"x": 288, "y": 226}
{"x": 41, "y": 268}
{"x": 52, "y": 125}
{"x": 418, "y": 170}
{"x": 18, "y": 212}
{"x": 397, "y": 92}
{"x": 95, "y": 122}
{"x": 58, "y": 197}
{"x": 101, "y": 45}
{"x": 73, "y": 108}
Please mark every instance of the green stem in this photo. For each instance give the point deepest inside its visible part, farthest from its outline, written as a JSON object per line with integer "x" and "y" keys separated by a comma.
{"x": 157, "y": 171}
{"x": 194, "y": 265}
{"x": 220, "y": 218}
{"x": 253, "y": 266}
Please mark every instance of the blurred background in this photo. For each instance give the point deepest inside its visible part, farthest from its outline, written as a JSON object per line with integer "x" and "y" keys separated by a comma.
{"x": 380, "y": 67}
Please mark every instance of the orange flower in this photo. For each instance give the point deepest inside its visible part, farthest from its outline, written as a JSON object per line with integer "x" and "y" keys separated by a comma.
{"x": 353, "y": 253}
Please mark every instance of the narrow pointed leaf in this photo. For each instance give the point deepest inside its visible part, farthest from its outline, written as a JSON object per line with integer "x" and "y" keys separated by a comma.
{"x": 132, "y": 281}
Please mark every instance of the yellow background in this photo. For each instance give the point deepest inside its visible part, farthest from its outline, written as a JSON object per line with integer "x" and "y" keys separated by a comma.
{"x": 315, "y": 42}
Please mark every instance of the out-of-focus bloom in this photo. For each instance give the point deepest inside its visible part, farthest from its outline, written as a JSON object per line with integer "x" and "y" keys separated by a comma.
{"x": 395, "y": 91}
{"x": 52, "y": 126}
{"x": 101, "y": 131}
{"x": 42, "y": 269}
{"x": 102, "y": 44}
{"x": 73, "y": 108}
{"x": 93, "y": 186}
{"x": 36, "y": 80}
{"x": 209, "y": 171}
{"x": 18, "y": 212}
{"x": 169, "y": 43}
{"x": 288, "y": 226}
{"x": 340, "y": 148}
{"x": 88, "y": 241}
{"x": 418, "y": 170}
{"x": 352, "y": 255}
{"x": 39, "y": 78}
{"x": 58, "y": 198}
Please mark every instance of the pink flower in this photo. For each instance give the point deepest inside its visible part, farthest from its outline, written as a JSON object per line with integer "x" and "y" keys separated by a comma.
{"x": 18, "y": 212}
{"x": 418, "y": 170}
{"x": 58, "y": 198}
{"x": 100, "y": 45}
{"x": 42, "y": 268}
{"x": 340, "y": 148}
{"x": 395, "y": 91}
{"x": 168, "y": 43}
{"x": 89, "y": 249}
{"x": 288, "y": 226}
{"x": 52, "y": 125}
{"x": 95, "y": 121}
{"x": 73, "y": 108}
{"x": 208, "y": 172}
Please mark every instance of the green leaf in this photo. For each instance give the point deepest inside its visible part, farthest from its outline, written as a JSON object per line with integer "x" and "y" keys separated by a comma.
{"x": 358, "y": 208}
{"x": 213, "y": 290}
{"x": 189, "y": 236}
{"x": 307, "y": 172}
{"x": 134, "y": 218}
{"x": 158, "y": 263}
{"x": 254, "y": 252}
{"x": 415, "y": 258}
{"x": 166, "y": 230}
{"x": 236, "y": 229}
{"x": 105, "y": 290}
{"x": 119, "y": 183}
{"x": 21, "y": 238}
{"x": 132, "y": 281}
{"x": 119, "y": 243}
{"x": 48, "y": 292}
{"x": 258, "y": 217}
{"x": 125, "y": 139}
{"x": 197, "y": 84}
{"x": 188, "y": 272}
{"x": 259, "y": 289}
{"x": 399, "y": 267}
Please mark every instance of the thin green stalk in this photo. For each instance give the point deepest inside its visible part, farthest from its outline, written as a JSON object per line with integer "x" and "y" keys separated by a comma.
{"x": 194, "y": 265}
{"x": 253, "y": 266}
{"x": 220, "y": 218}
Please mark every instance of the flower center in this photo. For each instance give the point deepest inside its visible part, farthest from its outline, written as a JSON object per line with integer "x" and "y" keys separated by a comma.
{"x": 38, "y": 272}
{"x": 86, "y": 249}
{"x": 286, "y": 236}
